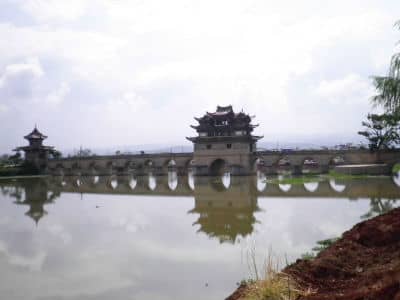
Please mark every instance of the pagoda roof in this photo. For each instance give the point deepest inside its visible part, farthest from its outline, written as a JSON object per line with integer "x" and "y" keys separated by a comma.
{"x": 222, "y": 110}
{"x": 227, "y": 108}
{"x": 35, "y": 135}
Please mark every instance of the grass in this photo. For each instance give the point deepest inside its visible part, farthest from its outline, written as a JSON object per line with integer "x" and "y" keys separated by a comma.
{"x": 296, "y": 180}
{"x": 270, "y": 283}
{"x": 396, "y": 168}
{"x": 335, "y": 175}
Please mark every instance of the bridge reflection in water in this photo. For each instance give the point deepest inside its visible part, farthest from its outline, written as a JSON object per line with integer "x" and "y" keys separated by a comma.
{"x": 225, "y": 206}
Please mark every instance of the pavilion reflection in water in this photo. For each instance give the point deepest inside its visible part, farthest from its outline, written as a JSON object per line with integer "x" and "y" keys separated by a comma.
{"x": 225, "y": 206}
{"x": 33, "y": 193}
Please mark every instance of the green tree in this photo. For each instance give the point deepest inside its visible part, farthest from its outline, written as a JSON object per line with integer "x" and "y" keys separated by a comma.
{"x": 16, "y": 158}
{"x": 379, "y": 206}
{"x": 56, "y": 154}
{"x": 382, "y": 131}
{"x": 388, "y": 87}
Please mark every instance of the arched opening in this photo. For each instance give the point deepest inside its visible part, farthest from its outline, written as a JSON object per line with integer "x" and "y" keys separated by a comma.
{"x": 78, "y": 182}
{"x": 172, "y": 180}
{"x": 152, "y": 182}
{"x": 113, "y": 182}
{"x": 284, "y": 187}
{"x": 149, "y": 163}
{"x": 217, "y": 167}
{"x": 311, "y": 186}
{"x": 258, "y": 165}
{"x": 261, "y": 181}
{"x": 132, "y": 183}
{"x": 310, "y": 165}
{"x": 63, "y": 182}
{"x": 337, "y": 160}
{"x": 170, "y": 165}
{"x": 284, "y": 165}
{"x": 96, "y": 179}
{"x": 191, "y": 180}
{"x": 226, "y": 180}
{"x": 336, "y": 186}
{"x": 283, "y": 162}
{"x": 189, "y": 165}
{"x": 130, "y": 166}
{"x": 149, "y": 166}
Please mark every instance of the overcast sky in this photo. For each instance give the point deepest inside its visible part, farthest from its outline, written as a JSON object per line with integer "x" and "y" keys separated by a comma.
{"x": 109, "y": 73}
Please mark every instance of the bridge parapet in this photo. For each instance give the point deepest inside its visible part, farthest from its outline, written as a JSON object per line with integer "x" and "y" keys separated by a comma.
{"x": 121, "y": 164}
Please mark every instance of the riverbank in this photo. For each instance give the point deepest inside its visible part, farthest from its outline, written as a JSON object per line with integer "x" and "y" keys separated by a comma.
{"x": 363, "y": 264}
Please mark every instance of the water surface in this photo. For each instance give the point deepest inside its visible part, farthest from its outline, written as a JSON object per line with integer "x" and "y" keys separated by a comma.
{"x": 165, "y": 237}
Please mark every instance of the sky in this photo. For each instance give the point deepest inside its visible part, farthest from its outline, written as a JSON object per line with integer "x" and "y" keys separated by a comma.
{"x": 107, "y": 73}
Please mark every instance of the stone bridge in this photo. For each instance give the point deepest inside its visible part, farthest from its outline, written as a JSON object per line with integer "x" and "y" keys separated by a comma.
{"x": 122, "y": 164}
{"x": 268, "y": 162}
{"x": 211, "y": 187}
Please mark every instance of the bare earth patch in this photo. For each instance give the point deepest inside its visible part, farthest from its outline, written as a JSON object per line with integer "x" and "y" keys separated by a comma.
{"x": 363, "y": 264}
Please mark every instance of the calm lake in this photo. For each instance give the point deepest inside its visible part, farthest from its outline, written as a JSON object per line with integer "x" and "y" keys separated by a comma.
{"x": 166, "y": 237}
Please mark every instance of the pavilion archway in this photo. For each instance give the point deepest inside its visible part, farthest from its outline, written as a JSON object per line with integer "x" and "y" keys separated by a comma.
{"x": 218, "y": 167}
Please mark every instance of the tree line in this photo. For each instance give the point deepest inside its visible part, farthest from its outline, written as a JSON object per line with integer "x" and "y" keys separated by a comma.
{"x": 383, "y": 130}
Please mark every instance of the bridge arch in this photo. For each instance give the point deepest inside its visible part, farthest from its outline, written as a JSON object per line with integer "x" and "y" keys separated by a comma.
{"x": 261, "y": 182}
{"x": 191, "y": 180}
{"x": 258, "y": 164}
{"x": 311, "y": 186}
{"x": 95, "y": 179}
{"x": 309, "y": 165}
{"x": 170, "y": 162}
{"x": 189, "y": 165}
{"x": 337, "y": 187}
{"x": 218, "y": 167}
{"x": 337, "y": 160}
{"x": 151, "y": 182}
{"x": 284, "y": 165}
{"x": 112, "y": 182}
{"x": 172, "y": 180}
{"x": 170, "y": 165}
{"x": 78, "y": 182}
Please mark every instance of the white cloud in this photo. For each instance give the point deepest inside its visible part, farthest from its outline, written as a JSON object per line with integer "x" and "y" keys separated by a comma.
{"x": 46, "y": 10}
{"x": 189, "y": 56}
{"x": 352, "y": 86}
{"x": 3, "y": 108}
{"x": 57, "y": 96}
{"x": 17, "y": 80}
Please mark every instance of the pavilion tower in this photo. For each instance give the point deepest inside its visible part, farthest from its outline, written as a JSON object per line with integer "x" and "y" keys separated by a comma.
{"x": 36, "y": 153}
{"x": 224, "y": 143}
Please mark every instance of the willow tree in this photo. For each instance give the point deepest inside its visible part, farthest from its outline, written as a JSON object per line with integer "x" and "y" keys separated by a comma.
{"x": 388, "y": 87}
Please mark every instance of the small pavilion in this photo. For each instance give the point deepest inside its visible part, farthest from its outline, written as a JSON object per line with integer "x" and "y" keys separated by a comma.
{"x": 36, "y": 153}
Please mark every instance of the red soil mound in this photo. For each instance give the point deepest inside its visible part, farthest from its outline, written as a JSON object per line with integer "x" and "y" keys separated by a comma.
{"x": 363, "y": 264}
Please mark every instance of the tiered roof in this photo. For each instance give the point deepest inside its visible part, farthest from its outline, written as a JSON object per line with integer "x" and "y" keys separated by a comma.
{"x": 35, "y": 135}
{"x": 224, "y": 122}
{"x": 35, "y": 139}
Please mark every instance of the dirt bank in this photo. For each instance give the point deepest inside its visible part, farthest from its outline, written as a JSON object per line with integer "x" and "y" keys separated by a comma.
{"x": 363, "y": 264}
